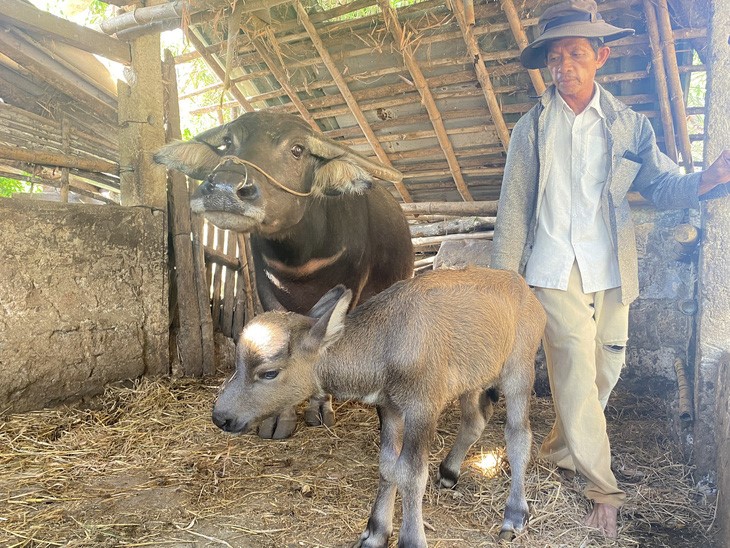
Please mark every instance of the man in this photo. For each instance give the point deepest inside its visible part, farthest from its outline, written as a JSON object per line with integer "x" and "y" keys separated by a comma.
{"x": 564, "y": 223}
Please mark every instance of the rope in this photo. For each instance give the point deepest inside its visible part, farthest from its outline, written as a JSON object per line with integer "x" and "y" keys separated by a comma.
{"x": 237, "y": 160}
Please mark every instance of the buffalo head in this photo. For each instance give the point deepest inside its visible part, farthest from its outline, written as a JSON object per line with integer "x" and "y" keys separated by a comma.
{"x": 259, "y": 170}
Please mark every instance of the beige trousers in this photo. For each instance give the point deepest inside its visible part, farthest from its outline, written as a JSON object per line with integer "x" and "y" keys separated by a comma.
{"x": 585, "y": 347}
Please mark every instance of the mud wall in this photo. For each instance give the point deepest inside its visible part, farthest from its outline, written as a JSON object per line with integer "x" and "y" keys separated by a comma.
{"x": 83, "y": 299}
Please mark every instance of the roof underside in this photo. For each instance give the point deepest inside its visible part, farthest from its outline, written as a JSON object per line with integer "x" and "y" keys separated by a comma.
{"x": 432, "y": 87}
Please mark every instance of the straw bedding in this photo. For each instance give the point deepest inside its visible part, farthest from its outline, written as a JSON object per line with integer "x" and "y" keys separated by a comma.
{"x": 143, "y": 465}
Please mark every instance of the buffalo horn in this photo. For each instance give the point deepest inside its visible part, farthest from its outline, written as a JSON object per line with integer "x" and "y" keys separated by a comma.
{"x": 327, "y": 148}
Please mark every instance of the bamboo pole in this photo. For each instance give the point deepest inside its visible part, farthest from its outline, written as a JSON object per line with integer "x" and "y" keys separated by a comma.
{"x": 28, "y": 17}
{"x": 518, "y": 31}
{"x": 279, "y": 74}
{"x": 675, "y": 86}
{"x": 65, "y": 130}
{"x": 218, "y": 70}
{"x": 57, "y": 159}
{"x": 482, "y": 73}
{"x": 229, "y": 293}
{"x": 405, "y": 48}
{"x": 437, "y": 240}
{"x": 246, "y": 278}
{"x": 461, "y": 225}
{"x": 661, "y": 80}
{"x": 348, "y": 97}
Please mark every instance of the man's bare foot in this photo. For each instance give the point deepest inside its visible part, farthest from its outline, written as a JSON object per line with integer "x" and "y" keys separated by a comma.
{"x": 603, "y": 517}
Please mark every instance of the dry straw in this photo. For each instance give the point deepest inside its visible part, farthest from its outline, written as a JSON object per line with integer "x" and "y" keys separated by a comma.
{"x": 142, "y": 465}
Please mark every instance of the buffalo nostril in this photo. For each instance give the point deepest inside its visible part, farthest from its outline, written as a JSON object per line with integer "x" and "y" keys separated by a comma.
{"x": 222, "y": 421}
{"x": 246, "y": 191}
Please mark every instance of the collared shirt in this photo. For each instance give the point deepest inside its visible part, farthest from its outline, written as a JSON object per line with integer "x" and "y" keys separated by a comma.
{"x": 570, "y": 226}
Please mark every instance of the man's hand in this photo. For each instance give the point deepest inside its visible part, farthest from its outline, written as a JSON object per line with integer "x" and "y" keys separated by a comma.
{"x": 717, "y": 174}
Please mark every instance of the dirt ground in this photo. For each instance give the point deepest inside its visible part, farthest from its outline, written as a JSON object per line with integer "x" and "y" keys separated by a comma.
{"x": 143, "y": 465}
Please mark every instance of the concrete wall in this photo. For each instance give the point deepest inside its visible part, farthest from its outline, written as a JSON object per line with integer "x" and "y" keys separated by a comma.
{"x": 83, "y": 299}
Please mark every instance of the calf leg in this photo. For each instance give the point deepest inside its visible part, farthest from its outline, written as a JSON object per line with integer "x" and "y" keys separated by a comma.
{"x": 319, "y": 411}
{"x": 476, "y": 410}
{"x": 279, "y": 426}
{"x": 411, "y": 475}
{"x": 517, "y": 379}
{"x": 380, "y": 524}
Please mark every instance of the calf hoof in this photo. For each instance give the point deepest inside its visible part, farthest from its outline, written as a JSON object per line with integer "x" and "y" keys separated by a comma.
{"x": 514, "y": 523}
{"x": 446, "y": 478}
{"x": 370, "y": 540}
{"x": 278, "y": 427}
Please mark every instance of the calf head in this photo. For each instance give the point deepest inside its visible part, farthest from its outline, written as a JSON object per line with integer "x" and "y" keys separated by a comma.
{"x": 276, "y": 362}
{"x": 260, "y": 169}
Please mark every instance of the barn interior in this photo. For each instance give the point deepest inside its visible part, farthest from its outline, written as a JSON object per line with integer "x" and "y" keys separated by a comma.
{"x": 120, "y": 307}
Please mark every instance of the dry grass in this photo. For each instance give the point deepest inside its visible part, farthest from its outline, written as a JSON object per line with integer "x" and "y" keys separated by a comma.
{"x": 144, "y": 466}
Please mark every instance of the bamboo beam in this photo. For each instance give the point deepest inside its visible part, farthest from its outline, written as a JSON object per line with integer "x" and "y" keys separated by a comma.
{"x": 35, "y": 59}
{"x": 437, "y": 240}
{"x": 218, "y": 70}
{"x": 30, "y": 18}
{"x": 56, "y": 159}
{"x": 675, "y": 86}
{"x": 482, "y": 73}
{"x": 518, "y": 31}
{"x": 660, "y": 77}
{"x": 481, "y": 209}
{"x": 278, "y": 72}
{"x": 348, "y": 96}
{"x": 392, "y": 23}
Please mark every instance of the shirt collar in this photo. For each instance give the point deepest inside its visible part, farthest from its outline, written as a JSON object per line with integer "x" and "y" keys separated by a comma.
{"x": 594, "y": 103}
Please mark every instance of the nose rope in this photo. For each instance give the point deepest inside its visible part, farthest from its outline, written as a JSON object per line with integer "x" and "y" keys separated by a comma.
{"x": 237, "y": 160}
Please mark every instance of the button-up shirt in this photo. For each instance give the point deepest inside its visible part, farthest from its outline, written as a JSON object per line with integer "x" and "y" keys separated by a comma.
{"x": 570, "y": 226}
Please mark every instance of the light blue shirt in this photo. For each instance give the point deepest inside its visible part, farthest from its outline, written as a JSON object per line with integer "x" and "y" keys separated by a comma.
{"x": 570, "y": 225}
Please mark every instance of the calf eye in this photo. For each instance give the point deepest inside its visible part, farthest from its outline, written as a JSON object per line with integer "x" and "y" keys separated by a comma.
{"x": 297, "y": 151}
{"x": 269, "y": 375}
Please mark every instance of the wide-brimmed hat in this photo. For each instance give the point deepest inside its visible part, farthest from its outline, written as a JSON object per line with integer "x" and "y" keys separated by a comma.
{"x": 566, "y": 19}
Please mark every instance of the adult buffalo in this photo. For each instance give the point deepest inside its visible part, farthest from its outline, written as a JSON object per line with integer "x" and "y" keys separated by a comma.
{"x": 315, "y": 214}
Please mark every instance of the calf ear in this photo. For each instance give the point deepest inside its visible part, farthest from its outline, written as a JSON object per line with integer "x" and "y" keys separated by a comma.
{"x": 193, "y": 158}
{"x": 329, "y": 312}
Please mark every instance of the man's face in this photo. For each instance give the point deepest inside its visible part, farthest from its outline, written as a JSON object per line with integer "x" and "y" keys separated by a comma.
{"x": 573, "y": 65}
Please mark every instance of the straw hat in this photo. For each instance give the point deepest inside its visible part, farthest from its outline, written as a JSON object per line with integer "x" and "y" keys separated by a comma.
{"x": 567, "y": 19}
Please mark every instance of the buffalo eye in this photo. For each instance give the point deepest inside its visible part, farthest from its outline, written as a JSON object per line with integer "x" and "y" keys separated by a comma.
{"x": 269, "y": 375}
{"x": 297, "y": 151}
{"x": 225, "y": 146}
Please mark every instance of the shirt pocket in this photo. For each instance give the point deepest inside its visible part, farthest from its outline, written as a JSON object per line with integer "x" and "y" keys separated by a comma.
{"x": 622, "y": 179}
{"x": 596, "y": 158}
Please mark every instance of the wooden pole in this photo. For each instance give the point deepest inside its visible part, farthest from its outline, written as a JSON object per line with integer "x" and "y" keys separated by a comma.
{"x": 392, "y": 23}
{"x": 483, "y": 209}
{"x": 57, "y": 159}
{"x": 65, "y": 140}
{"x": 675, "y": 85}
{"x": 349, "y": 97}
{"x": 660, "y": 76}
{"x": 30, "y": 18}
{"x": 518, "y": 31}
{"x": 482, "y": 73}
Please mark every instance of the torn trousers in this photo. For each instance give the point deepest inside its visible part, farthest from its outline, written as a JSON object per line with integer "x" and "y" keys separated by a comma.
{"x": 585, "y": 347}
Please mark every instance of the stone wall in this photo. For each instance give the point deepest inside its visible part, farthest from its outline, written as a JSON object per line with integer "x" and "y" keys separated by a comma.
{"x": 83, "y": 299}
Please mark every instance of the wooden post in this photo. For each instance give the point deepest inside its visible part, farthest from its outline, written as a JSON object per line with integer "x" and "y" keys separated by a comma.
{"x": 141, "y": 113}
{"x": 195, "y": 355}
{"x": 66, "y": 145}
{"x": 712, "y": 399}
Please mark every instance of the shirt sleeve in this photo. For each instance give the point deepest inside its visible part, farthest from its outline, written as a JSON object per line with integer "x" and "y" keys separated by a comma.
{"x": 659, "y": 179}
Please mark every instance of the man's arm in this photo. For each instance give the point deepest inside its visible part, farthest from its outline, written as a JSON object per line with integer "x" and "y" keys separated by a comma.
{"x": 717, "y": 174}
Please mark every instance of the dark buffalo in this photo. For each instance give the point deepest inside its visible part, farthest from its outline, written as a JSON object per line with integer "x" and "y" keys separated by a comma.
{"x": 316, "y": 216}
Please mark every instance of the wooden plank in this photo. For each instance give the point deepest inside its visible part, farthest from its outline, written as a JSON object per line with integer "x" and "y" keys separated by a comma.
{"x": 229, "y": 293}
{"x": 248, "y": 281}
{"x": 392, "y": 23}
{"x": 348, "y": 96}
{"x": 30, "y": 18}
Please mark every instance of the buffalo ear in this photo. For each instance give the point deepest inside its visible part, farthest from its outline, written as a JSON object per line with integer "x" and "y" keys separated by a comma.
{"x": 329, "y": 315}
{"x": 193, "y": 158}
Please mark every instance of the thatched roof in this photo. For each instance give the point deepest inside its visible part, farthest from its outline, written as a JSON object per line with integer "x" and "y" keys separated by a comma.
{"x": 432, "y": 87}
